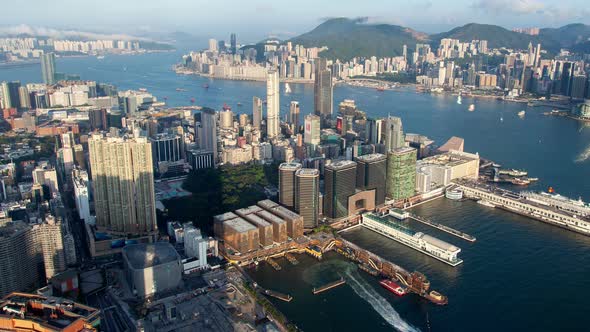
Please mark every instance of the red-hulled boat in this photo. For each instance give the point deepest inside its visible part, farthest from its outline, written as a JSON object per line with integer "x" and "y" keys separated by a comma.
{"x": 393, "y": 287}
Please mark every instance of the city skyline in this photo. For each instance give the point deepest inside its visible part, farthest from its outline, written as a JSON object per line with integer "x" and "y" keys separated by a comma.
{"x": 284, "y": 21}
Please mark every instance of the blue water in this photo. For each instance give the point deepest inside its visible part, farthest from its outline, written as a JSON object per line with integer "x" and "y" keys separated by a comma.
{"x": 519, "y": 275}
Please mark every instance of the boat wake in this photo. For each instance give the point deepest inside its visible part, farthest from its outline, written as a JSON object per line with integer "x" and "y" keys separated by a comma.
{"x": 380, "y": 304}
{"x": 585, "y": 155}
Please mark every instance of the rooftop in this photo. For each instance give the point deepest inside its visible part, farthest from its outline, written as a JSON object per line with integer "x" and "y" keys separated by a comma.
{"x": 225, "y": 216}
{"x": 285, "y": 213}
{"x": 239, "y": 225}
{"x": 403, "y": 150}
{"x": 253, "y": 218}
{"x": 341, "y": 164}
{"x": 372, "y": 157}
{"x": 248, "y": 210}
{"x": 270, "y": 217}
{"x": 145, "y": 255}
{"x": 289, "y": 166}
{"x": 311, "y": 172}
{"x": 267, "y": 204}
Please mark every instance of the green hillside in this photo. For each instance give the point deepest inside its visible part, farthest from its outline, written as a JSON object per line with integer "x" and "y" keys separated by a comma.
{"x": 347, "y": 38}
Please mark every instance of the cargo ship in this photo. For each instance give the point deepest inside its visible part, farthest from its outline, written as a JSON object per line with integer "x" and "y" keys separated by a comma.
{"x": 393, "y": 287}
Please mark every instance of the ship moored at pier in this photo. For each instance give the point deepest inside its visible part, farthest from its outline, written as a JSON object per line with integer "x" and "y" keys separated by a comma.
{"x": 552, "y": 209}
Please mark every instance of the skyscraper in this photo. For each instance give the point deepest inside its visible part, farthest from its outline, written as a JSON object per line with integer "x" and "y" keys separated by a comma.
{"x": 401, "y": 173}
{"x": 307, "y": 196}
{"x": 370, "y": 174}
{"x": 394, "y": 133}
{"x": 287, "y": 183}
{"x": 233, "y": 43}
{"x": 374, "y": 131}
{"x": 323, "y": 90}
{"x": 206, "y": 131}
{"x": 312, "y": 129}
{"x": 294, "y": 116}
{"x": 10, "y": 94}
{"x": 48, "y": 68}
{"x": 256, "y": 112}
{"x": 123, "y": 179}
{"x": 340, "y": 184}
{"x": 212, "y": 44}
{"x": 272, "y": 104}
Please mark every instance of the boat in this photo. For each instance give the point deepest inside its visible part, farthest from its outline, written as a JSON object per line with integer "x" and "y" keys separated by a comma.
{"x": 471, "y": 108}
{"x": 501, "y": 119}
{"x": 100, "y": 57}
{"x": 520, "y": 182}
{"x": 287, "y": 88}
{"x": 205, "y": 86}
{"x": 437, "y": 298}
{"x": 180, "y": 89}
{"x": 514, "y": 172}
{"x": 239, "y": 104}
{"x": 392, "y": 287}
{"x": 226, "y": 107}
{"x": 459, "y": 99}
{"x": 485, "y": 203}
{"x": 192, "y": 100}
{"x": 380, "y": 89}
{"x": 521, "y": 114}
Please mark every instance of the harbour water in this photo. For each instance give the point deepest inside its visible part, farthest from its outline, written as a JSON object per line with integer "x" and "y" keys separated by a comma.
{"x": 520, "y": 274}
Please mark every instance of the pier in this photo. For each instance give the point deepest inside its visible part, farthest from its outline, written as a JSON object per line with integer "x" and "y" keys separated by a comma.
{"x": 444, "y": 228}
{"x": 291, "y": 259}
{"x": 274, "y": 264}
{"x": 328, "y": 286}
{"x": 277, "y": 295}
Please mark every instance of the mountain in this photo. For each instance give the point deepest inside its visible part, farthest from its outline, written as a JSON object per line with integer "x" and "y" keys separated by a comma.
{"x": 496, "y": 36}
{"x": 567, "y": 36}
{"x": 347, "y": 38}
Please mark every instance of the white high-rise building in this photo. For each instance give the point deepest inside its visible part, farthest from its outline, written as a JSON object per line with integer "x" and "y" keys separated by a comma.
{"x": 80, "y": 181}
{"x": 272, "y": 104}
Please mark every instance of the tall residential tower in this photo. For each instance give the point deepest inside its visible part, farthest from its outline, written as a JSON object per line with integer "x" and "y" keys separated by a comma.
{"x": 272, "y": 104}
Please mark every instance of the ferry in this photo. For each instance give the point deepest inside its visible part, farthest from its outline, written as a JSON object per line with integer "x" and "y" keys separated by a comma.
{"x": 459, "y": 99}
{"x": 521, "y": 114}
{"x": 426, "y": 244}
{"x": 100, "y": 57}
{"x": 287, "y": 88}
{"x": 471, "y": 108}
{"x": 142, "y": 89}
{"x": 485, "y": 203}
{"x": 514, "y": 172}
{"x": 392, "y": 287}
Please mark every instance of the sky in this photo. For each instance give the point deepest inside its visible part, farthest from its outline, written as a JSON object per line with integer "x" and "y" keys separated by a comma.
{"x": 253, "y": 20}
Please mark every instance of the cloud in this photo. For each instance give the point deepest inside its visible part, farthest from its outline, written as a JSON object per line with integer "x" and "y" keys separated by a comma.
{"x": 519, "y": 7}
{"x": 24, "y": 29}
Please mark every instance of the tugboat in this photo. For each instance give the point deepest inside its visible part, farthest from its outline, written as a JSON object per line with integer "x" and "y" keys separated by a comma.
{"x": 392, "y": 287}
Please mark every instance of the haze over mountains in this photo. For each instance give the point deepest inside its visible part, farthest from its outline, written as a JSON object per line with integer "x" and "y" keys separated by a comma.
{"x": 346, "y": 38}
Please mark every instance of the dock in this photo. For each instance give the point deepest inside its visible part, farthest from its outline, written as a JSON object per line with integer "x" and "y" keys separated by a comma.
{"x": 328, "y": 286}
{"x": 278, "y": 295}
{"x": 291, "y": 259}
{"x": 274, "y": 264}
{"x": 444, "y": 228}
